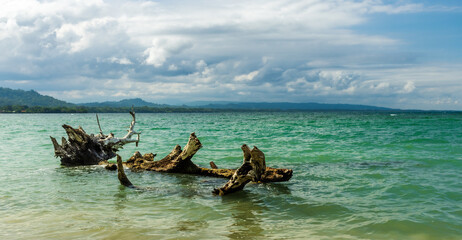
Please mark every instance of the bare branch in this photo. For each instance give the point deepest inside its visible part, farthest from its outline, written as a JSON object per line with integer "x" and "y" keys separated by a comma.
{"x": 100, "y": 131}
{"x": 116, "y": 143}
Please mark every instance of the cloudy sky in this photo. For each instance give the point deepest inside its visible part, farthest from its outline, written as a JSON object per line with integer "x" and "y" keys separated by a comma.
{"x": 400, "y": 54}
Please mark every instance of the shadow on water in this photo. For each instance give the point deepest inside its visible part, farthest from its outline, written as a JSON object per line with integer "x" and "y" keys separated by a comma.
{"x": 245, "y": 214}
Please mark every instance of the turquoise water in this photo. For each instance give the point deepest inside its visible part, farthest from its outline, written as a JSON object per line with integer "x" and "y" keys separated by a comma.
{"x": 356, "y": 176}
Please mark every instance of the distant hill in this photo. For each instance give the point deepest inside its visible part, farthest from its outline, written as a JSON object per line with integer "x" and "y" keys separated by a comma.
{"x": 30, "y": 98}
{"x": 286, "y": 106}
{"x": 10, "y": 97}
{"x": 136, "y": 102}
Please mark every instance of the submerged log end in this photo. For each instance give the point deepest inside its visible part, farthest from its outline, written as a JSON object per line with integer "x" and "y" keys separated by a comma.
{"x": 236, "y": 183}
{"x": 123, "y": 179}
{"x": 218, "y": 191}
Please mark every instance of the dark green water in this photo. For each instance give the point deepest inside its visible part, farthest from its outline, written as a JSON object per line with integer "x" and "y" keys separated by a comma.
{"x": 356, "y": 176}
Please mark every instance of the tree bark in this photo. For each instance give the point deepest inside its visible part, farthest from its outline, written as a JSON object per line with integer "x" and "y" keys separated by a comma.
{"x": 178, "y": 161}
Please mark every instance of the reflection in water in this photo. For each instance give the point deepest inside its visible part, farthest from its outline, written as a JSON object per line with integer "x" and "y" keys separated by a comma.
{"x": 120, "y": 199}
{"x": 191, "y": 225}
{"x": 189, "y": 186}
{"x": 245, "y": 214}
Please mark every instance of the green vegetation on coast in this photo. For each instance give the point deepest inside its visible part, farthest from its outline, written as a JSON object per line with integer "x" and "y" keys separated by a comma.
{"x": 81, "y": 109}
{"x": 20, "y": 101}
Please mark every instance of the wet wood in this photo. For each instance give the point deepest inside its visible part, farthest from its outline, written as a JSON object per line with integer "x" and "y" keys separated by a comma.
{"x": 180, "y": 161}
{"x": 123, "y": 179}
{"x": 177, "y": 161}
{"x": 251, "y": 170}
{"x": 173, "y": 163}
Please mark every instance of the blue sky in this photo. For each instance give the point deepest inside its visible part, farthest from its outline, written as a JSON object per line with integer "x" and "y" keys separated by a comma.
{"x": 401, "y": 54}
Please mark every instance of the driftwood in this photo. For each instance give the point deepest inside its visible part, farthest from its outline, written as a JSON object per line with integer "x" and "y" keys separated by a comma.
{"x": 121, "y": 174}
{"x": 251, "y": 170}
{"x": 84, "y": 149}
{"x": 179, "y": 161}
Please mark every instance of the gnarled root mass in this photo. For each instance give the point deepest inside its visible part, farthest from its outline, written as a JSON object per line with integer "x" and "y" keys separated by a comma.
{"x": 84, "y": 149}
{"x": 81, "y": 148}
{"x": 179, "y": 161}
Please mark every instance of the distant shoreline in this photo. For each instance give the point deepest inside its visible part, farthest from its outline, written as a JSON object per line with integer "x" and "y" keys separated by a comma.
{"x": 81, "y": 109}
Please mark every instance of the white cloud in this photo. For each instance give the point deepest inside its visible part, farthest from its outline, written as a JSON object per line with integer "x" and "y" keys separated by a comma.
{"x": 246, "y": 77}
{"x": 409, "y": 87}
{"x": 172, "y": 67}
{"x": 200, "y": 65}
{"x": 155, "y": 56}
{"x": 122, "y": 61}
{"x": 164, "y": 48}
{"x": 308, "y": 48}
{"x": 300, "y": 83}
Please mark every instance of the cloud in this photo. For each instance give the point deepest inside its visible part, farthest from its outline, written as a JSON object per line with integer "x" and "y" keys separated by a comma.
{"x": 246, "y": 77}
{"x": 324, "y": 83}
{"x": 409, "y": 87}
{"x": 123, "y": 61}
{"x": 162, "y": 49}
{"x": 278, "y": 50}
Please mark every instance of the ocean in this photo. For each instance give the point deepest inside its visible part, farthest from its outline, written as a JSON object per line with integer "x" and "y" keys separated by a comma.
{"x": 357, "y": 175}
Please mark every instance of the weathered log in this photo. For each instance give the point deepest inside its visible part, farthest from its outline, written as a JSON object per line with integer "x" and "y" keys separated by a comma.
{"x": 84, "y": 149}
{"x": 178, "y": 162}
{"x": 251, "y": 170}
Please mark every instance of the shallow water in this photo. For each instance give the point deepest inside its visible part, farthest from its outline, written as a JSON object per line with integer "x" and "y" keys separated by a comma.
{"x": 356, "y": 176}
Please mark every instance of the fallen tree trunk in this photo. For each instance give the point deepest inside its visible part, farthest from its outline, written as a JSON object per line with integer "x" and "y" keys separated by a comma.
{"x": 84, "y": 149}
{"x": 179, "y": 161}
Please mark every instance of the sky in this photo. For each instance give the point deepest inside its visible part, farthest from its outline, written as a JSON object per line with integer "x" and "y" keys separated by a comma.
{"x": 403, "y": 54}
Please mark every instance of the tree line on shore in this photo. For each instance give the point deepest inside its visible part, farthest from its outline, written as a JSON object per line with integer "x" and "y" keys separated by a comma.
{"x": 82, "y": 109}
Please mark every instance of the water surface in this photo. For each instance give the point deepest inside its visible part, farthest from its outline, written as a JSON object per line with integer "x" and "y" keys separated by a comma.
{"x": 356, "y": 176}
